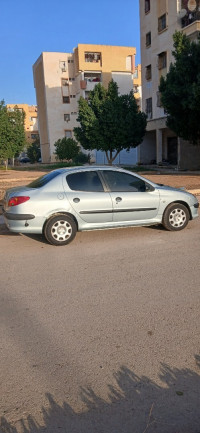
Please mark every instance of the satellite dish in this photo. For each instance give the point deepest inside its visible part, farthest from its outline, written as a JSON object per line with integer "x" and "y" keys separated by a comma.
{"x": 182, "y": 13}
{"x": 192, "y": 4}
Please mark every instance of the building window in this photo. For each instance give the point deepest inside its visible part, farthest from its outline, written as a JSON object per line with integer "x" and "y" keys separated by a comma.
{"x": 92, "y": 57}
{"x": 70, "y": 61}
{"x": 159, "y": 104}
{"x": 63, "y": 66}
{"x": 64, "y": 82}
{"x": 162, "y": 60}
{"x": 162, "y": 23}
{"x": 34, "y": 136}
{"x": 148, "y": 72}
{"x": 87, "y": 93}
{"x": 68, "y": 133}
{"x": 71, "y": 79}
{"x": 149, "y": 108}
{"x": 74, "y": 113}
{"x": 92, "y": 76}
{"x": 147, "y": 6}
{"x": 135, "y": 74}
{"x": 66, "y": 99}
{"x": 66, "y": 117}
{"x": 135, "y": 88}
{"x": 148, "y": 39}
{"x": 72, "y": 96}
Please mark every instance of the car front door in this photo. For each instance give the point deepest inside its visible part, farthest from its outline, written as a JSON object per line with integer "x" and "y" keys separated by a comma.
{"x": 133, "y": 198}
{"x": 87, "y": 197}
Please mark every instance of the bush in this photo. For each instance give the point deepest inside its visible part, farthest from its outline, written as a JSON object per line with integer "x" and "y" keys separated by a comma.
{"x": 33, "y": 151}
{"x": 81, "y": 158}
{"x": 66, "y": 149}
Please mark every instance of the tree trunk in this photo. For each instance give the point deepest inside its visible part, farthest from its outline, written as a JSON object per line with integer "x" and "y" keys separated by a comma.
{"x": 6, "y": 164}
{"x": 111, "y": 158}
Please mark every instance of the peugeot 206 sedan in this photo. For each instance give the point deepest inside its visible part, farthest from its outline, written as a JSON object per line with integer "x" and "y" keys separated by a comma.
{"x": 68, "y": 200}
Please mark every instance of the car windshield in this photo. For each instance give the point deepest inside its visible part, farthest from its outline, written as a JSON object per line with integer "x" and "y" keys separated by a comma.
{"x": 43, "y": 180}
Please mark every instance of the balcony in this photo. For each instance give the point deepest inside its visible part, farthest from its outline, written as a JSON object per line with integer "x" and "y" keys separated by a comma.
{"x": 190, "y": 17}
{"x": 90, "y": 80}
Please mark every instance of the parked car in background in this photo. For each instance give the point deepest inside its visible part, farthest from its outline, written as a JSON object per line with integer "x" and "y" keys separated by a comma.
{"x": 68, "y": 200}
{"x": 25, "y": 160}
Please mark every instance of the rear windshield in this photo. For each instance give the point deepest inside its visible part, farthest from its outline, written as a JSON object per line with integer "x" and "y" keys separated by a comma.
{"x": 43, "y": 180}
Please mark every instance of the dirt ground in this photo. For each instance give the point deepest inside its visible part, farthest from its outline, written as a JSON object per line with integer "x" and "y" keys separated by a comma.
{"x": 191, "y": 181}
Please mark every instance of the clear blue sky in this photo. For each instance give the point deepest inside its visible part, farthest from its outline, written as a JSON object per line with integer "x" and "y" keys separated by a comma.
{"x": 28, "y": 28}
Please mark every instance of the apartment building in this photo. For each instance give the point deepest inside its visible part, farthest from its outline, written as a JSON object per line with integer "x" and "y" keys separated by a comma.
{"x": 159, "y": 19}
{"x": 61, "y": 78}
{"x": 31, "y": 120}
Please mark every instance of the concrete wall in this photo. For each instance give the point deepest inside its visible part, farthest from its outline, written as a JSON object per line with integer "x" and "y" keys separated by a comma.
{"x": 147, "y": 149}
{"x": 189, "y": 156}
{"x": 113, "y": 58}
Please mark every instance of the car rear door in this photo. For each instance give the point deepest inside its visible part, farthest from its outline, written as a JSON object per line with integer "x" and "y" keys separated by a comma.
{"x": 87, "y": 197}
{"x": 133, "y": 199}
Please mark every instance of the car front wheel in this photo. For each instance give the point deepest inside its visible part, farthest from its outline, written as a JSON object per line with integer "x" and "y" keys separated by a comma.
{"x": 60, "y": 230}
{"x": 176, "y": 217}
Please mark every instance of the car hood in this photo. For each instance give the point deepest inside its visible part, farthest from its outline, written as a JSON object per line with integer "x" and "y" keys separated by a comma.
{"x": 170, "y": 188}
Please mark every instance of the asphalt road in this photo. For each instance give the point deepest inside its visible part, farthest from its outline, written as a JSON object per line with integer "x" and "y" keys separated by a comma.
{"x": 101, "y": 335}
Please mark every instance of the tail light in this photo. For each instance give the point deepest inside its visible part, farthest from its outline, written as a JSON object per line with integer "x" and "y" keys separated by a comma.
{"x": 14, "y": 201}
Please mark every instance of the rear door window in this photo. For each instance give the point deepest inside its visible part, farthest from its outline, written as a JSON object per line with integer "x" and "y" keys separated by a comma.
{"x": 84, "y": 181}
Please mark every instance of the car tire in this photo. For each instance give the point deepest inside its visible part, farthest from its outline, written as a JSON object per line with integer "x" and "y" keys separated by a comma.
{"x": 176, "y": 217}
{"x": 60, "y": 230}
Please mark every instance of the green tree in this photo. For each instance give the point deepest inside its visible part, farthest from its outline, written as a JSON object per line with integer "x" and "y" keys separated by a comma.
{"x": 12, "y": 133}
{"x": 110, "y": 122}
{"x": 17, "y": 138}
{"x": 5, "y": 145}
{"x": 180, "y": 89}
{"x": 33, "y": 151}
{"x": 66, "y": 148}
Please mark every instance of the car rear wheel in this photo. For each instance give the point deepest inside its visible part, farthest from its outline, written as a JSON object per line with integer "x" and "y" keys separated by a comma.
{"x": 176, "y": 217}
{"x": 60, "y": 230}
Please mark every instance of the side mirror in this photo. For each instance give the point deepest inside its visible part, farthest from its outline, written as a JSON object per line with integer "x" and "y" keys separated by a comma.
{"x": 149, "y": 188}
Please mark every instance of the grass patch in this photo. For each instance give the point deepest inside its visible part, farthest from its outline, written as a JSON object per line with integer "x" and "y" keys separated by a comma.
{"x": 40, "y": 167}
{"x": 54, "y": 166}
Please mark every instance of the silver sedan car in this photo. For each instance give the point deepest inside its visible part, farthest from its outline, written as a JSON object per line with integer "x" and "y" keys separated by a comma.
{"x": 68, "y": 200}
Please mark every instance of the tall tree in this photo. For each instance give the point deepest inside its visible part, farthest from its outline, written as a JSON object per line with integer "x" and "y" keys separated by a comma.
{"x": 12, "y": 133}
{"x": 17, "y": 140}
{"x": 110, "y": 122}
{"x": 4, "y": 132}
{"x": 180, "y": 89}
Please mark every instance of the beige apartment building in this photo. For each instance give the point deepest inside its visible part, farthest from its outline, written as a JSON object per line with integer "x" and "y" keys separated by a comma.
{"x": 31, "y": 120}
{"x": 61, "y": 78}
{"x": 158, "y": 21}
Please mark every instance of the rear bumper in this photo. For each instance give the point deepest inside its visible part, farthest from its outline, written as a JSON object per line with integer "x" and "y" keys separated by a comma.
{"x": 23, "y": 223}
{"x": 18, "y": 217}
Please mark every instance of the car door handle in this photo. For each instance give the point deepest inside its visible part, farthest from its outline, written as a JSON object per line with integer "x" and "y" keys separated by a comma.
{"x": 76, "y": 200}
{"x": 118, "y": 199}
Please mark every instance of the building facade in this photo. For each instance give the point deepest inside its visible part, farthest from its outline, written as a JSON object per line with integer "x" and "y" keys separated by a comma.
{"x": 159, "y": 19}
{"x": 61, "y": 78}
{"x": 31, "y": 120}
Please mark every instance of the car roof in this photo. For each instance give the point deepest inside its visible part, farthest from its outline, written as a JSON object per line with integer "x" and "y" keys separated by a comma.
{"x": 88, "y": 168}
